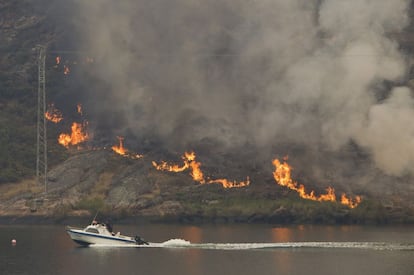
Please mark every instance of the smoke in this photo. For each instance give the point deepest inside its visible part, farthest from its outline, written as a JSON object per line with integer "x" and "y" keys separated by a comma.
{"x": 315, "y": 73}
{"x": 389, "y": 132}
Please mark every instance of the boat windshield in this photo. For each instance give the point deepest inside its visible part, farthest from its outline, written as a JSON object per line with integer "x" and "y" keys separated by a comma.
{"x": 92, "y": 230}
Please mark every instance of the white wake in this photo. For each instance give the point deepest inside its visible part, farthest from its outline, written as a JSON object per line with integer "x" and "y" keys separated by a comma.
{"x": 180, "y": 243}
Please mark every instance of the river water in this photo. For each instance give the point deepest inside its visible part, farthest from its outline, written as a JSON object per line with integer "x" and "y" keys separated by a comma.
{"x": 214, "y": 249}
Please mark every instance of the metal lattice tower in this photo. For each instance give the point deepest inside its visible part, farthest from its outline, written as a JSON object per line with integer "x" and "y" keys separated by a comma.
{"x": 41, "y": 148}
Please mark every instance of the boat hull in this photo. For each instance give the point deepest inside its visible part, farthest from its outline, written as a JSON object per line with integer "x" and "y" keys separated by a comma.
{"x": 85, "y": 238}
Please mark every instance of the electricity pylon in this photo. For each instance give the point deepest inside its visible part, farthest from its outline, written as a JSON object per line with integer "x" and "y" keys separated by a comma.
{"x": 41, "y": 148}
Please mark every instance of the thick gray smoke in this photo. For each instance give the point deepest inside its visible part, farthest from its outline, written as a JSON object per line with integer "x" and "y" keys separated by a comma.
{"x": 311, "y": 72}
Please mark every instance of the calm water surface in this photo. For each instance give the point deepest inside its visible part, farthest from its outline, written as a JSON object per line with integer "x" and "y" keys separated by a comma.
{"x": 214, "y": 249}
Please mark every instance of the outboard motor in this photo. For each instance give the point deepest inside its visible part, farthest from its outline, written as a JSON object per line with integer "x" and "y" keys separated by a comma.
{"x": 140, "y": 241}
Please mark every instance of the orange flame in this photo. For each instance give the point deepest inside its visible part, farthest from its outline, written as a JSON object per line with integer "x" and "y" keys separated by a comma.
{"x": 196, "y": 173}
{"x": 231, "y": 184}
{"x": 79, "y": 109}
{"x": 53, "y": 114}
{"x": 164, "y": 166}
{"x": 351, "y": 203}
{"x": 66, "y": 69}
{"x": 282, "y": 175}
{"x": 78, "y": 135}
{"x": 121, "y": 150}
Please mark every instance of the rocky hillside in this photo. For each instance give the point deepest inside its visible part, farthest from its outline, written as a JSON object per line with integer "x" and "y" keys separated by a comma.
{"x": 138, "y": 97}
{"x": 124, "y": 190}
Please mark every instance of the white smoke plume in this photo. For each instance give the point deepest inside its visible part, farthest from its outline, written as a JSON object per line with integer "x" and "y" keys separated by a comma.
{"x": 262, "y": 72}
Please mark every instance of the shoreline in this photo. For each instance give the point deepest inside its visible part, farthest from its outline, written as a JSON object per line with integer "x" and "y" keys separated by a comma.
{"x": 190, "y": 220}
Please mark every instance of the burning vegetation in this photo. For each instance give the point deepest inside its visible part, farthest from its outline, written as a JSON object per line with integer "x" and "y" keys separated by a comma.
{"x": 189, "y": 162}
{"x": 52, "y": 114}
{"x": 282, "y": 176}
{"x": 65, "y": 66}
{"x": 78, "y": 132}
{"x": 78, "y": 135}
{"x": 121, "y": 150}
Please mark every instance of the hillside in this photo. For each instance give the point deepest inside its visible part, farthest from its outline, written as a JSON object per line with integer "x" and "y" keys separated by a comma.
{"x": 214, "y": 80}
{"x": 126, "y": 190}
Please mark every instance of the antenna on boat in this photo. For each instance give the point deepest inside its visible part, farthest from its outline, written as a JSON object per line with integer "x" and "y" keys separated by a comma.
{"x": 94, "y": 218}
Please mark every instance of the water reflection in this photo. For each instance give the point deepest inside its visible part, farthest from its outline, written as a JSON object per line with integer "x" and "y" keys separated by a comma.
{"x": 283, "y": 259}
{"x": 193, "y": 234}
{"x": 49, "y": 250}
{"x": 281, "y": 234}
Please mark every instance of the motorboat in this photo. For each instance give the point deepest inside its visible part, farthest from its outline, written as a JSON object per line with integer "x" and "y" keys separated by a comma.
{"x": 101, "y": 234}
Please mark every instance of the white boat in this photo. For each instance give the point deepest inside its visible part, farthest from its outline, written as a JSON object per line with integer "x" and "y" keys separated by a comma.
{"x": 98, "y": 233}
